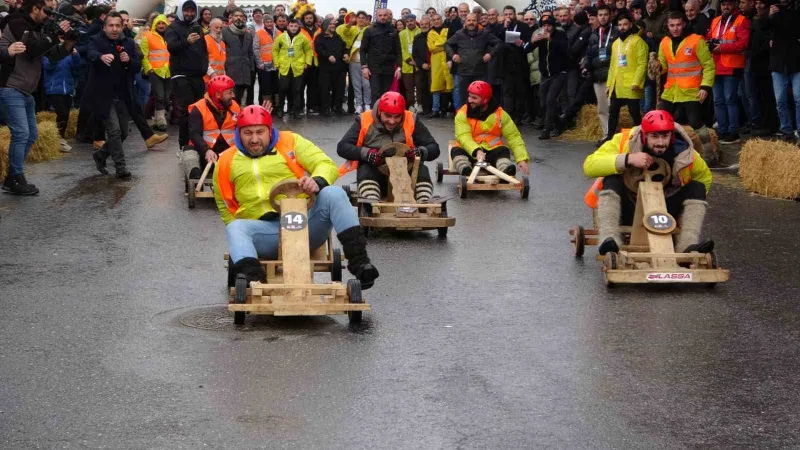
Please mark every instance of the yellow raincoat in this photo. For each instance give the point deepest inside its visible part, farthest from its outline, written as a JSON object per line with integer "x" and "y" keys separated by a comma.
{"x": 406, "y": 41}
{"x": 303, "y": 55}
{"x": 441, "y": 79}
{"x": 622, "y": 77}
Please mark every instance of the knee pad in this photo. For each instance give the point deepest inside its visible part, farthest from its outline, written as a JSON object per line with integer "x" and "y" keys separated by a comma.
{"x": 369, "y": 189}
{"x": 423, "y": 191}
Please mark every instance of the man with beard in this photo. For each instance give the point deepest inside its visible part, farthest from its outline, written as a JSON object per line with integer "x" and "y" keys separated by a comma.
{"x": 685, "y": 59}
{"x": 625, "y": 85}
{"x": 262, "y": 157}
{"x": 292, "y": 56}
{"x": 515, "y": 62}
{"x": 240, "y": 55}
{"x": 113, "y": 64}
{"x": 155, "y": 64}
{"x": 310, "y": 30}
{"x": 204, "y": 19}
{"x": 388, "y": 122}
{"x": 188, "y": 62}
{"x": 485, "y": 132}
{"x": 380, "y": 55}
{"x": 471, "y": 50}
{"x": 212, "y": 123}
{"x": 217, "y": 50}
{"x": 422, "y": 62}
{"x": 658, "y": 137}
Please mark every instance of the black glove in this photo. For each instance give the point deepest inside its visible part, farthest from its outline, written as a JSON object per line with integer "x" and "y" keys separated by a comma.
{"x": 374, "y": 157}
{"x": 421, "y": 153}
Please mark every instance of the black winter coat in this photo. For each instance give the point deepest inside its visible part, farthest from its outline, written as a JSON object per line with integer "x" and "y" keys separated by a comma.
{"x": 553, "y": 57}
{"x": 327, "y": 46}
{"x": 471, "y": 48}
{"x": 760, "y": 35}
{"x": 495, "y": 72}
{"x": 573, "y": 33}
{"x": 420, "y": 50}
{"x": 578, "y": 47}
{"x": 106, "y": 82}
{"x": 784, "y": 56}
{"x": 598, "y": 67}
{"x": 184, "y": 59}
{"x": 348, "y": 149}
{"x": 380, "y": 49}
{"x": 515, "y": 58}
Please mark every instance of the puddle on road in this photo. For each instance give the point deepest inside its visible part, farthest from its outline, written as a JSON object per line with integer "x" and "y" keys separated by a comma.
{"x": 103, "y": 187}
{"x": 217, "y": 322}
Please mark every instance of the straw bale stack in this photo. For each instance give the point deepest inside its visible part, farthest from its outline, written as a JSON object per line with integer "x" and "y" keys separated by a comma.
{"x": 770, "y": 168}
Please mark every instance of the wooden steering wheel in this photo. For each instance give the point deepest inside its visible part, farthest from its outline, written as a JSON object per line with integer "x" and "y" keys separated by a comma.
{"x": 288, "y": 189}
{"x": 659, "y": 172}
{"x": 394, "y": 149}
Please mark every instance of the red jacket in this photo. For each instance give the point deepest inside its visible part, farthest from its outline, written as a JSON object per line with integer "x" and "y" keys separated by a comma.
{"x": 730, "y": 55}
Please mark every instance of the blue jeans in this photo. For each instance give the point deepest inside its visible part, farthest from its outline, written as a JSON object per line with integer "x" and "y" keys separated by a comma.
{"x": 437, "y": 101}
{"x": 142, "y": 89}
{"x": 726, "y": 103}
{"x": 456, "y": 92}
{"x": 259, "y": 238}
{"x": 19, "y": 111}
{"x": 780, "y": 83}
{"x": 649, "y": 102}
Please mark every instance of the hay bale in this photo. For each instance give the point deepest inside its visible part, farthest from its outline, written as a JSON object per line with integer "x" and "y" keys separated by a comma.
{"x": 589, "y": 129}
{"x": 72, "y": 125}
{"x": 770, "y": 168}
{"x": 698, "y": 146}
{"x": 44, "y": 116}
{"x": 46, "y": 148}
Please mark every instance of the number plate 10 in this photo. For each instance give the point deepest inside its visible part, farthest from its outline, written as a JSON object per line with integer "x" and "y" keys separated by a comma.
{"x": 659, "y": 223}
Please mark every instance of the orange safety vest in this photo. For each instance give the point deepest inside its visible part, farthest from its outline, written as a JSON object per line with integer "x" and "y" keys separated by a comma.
{"x": 265, "y": 45}
{"x": 683, "y": 68}
{"x": 493, "y": 137}
{"x": 211, "y": 132}
{"x": 311, "y": 38}
{"x": 217, "y": 54}
{"x": 591, "y": 198}
{"x": 159, "y": 55}
{"x": 367, "y": 119}
{"x": 284, "y": 146}
{"x": 727, "y": 35}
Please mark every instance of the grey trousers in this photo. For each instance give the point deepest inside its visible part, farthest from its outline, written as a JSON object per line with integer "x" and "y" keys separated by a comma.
{"x": 160, "y": 87}
{"x": 116, "y": 127}
{"x": 361, "y": 88}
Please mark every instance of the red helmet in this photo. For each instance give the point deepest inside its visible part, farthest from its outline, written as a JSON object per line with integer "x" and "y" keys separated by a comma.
{"x": 482, "y": 89}
{"x": 392, "y": 103}
{"x": 217, "y": 85}
{"x": 657, "y": 120}
{"x": 254, "y": 115}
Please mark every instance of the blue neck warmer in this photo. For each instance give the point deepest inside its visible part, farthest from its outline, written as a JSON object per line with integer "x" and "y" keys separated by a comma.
{"x": 273, "y": 140}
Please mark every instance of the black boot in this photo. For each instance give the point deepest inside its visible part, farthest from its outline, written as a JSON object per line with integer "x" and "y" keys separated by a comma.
{"x": 609, "y": 245}
{"x": 100, "y": 163}
{"x": 250, "y": 268}
{"x": 466, "y": 171}
{"x": 511, "y": 170}
{"x": 195, "y": 173}
{"x": 702, "y": 247}
{"x": 545, "y": 134}
{"x": 17, "y": 185}
{"x": 354, "y": 245}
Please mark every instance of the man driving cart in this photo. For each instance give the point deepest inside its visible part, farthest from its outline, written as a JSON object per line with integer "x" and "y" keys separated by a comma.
{"x": 388, "y": 122}
{"x": 685, "y": 193}
{"x": 245, "y": 175}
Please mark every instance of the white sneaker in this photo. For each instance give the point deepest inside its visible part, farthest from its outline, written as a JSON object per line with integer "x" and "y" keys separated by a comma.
{"x": 65, "y": 148}
{"x": 367, "y": 108}
{"x": 359, "y": 110}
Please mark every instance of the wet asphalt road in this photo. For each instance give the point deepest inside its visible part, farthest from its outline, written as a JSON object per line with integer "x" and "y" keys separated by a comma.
{"x": 114, "y": 331}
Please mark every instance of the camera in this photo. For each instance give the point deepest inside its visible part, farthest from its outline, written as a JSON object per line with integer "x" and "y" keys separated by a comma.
{"x": 77, "y": 27}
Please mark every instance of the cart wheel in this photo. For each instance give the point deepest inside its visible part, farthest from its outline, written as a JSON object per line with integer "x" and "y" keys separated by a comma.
{"x": 711, "y": 260}
{"x": 240, "y": 296}
{"x": 462, "y": 187}
{"x": 354, "y": 294}
{"x": 336, "y": 267}
{"x": 609, "y": 263}
{"x": 192, "y": 198}
{"x": 579, "y": 240}
{"x": 443, "y": 230}
{"x": 439, "y": 172}
{"x": 526, "y": 187}
{"x": 365, "y": 210}
{"x": 231, "y": 274}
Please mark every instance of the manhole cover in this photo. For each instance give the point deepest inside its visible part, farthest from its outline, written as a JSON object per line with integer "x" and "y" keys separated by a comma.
{"x": 214, "y": 319}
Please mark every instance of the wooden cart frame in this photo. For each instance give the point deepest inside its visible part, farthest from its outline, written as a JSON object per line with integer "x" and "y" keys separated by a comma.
{"x": 648, "y": 253}
{"x": 202, "y": 188}
{"x": 290, "y": 289}
{"x": 484, "y": 177}
{"x": 400, "y": 211}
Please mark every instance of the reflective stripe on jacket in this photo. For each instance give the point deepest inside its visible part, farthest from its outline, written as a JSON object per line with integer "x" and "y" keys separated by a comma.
{"x": 367, "y": 119}
{"x": 692, "y": 55}
{"x": 468, "y": 128}
{"x": 591, "y": 198}
{"x": 211, "y": 131}
{"x": 217, "y": 54}
{"x": 264, "y": 45}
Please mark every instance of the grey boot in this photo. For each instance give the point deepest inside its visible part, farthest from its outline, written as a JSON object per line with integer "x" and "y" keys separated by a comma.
{"x": 189, "y": 160}
{"x": 462, "y": 165}
{"x": 694, "y": 213}
{"x": 609, "y": 211}
{"x": 708, "y": 150}
{"x": 423, "y": 192}
{"x": 369, "y": 189}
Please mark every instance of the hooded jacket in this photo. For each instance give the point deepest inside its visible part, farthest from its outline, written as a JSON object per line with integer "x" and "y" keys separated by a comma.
{"x": 58, "y": 76}
{"x": 163, "y": 71}
{"x": 184, "y": 59}
{"x": 330, "y": 45}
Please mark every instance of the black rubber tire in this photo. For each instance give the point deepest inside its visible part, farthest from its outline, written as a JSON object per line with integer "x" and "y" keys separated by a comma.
{"x": 336, "y": 267}
{"x": 191, "y": 197}
{"x": 231, "y": 274}
{"x": 354, "y": 295}
{"x": 240, "y": 296}
{"x": 439, "y": 172}
{"x": 579, "y": 235}
{"x": 462, "y": 186}
{"x": 713, "y": 263}
{"x": 347, "y": 190}
{"x": 442, "y": 231}
{"x": 612, "y": 259}
{"x": 365, "y": 210}
{"x": 526, "y": 188}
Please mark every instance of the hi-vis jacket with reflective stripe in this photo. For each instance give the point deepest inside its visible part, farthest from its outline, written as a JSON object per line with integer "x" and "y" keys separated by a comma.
{"x": 217, "y": 55}
{"x": 367, "y": 119}
{"x": 211, "y": 131}
{"x": 498, "y": 129}
{"x": 609, "y": 159}
{"x": 733, "y": 33}
{"x": 155, "y": 55}
{"x": 242, "y": 183}
{"x": 687, "y": 70}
